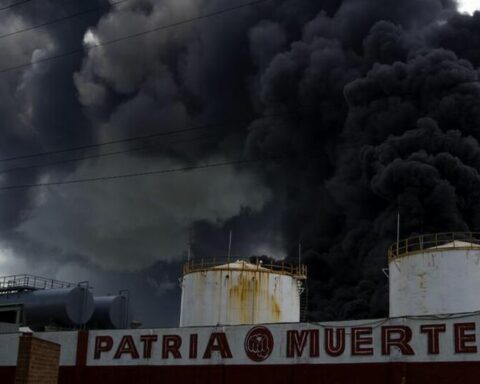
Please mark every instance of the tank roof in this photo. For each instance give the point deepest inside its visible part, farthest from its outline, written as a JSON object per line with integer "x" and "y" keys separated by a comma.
{"x": 456, "y": 244}
{"x": 241, "y": 265}
{"x": 432, "y": 242}
{"x": 282, "y": 268}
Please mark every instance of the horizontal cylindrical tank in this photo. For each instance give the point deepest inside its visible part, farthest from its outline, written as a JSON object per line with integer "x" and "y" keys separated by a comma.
{"x": 64, "y": 306}
{"x": 239, "y": 293}
{"x": 111, "y": 312}
{"x": 433, "y": 278}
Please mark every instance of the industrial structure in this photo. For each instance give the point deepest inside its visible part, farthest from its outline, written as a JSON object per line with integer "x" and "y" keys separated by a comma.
{"x": 435, "y": 274}
{"x": 217, "y": 292}
{"x": 240, "y": 323}
{"x": 40, "y": 303}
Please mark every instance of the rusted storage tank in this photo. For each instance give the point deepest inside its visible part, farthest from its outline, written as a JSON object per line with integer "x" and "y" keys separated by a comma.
{"x": 111, "y": 312}
{"x": 240, "y": 292}
{"x": 435, "y": 274}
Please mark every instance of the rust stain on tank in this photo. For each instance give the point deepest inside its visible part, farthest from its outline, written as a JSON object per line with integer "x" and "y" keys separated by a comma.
{"x": 250, "y": 295}
{"x": 276, "y": 310}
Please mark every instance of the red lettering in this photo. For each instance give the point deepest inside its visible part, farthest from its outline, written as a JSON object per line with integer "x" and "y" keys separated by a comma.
{"x": 171, "y": 344}
{"x": 192, "y": 353}
{"x": 102, "y": 344}
{"x": 361, "y": 338}
{"x": 218, "y": 342}
{"x": 147, "y": 341}
{"x": 397, "y": 336}
{"x": 462, "y": 338}
{"x": 314, "y": 343}
{"x": 433, "y": 336}
{"x": 296, "y": 342}
{"x": 334, "y": 347}
{"x": 126, "y": 346}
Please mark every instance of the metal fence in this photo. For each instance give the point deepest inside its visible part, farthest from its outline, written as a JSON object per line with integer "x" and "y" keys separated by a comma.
{"x": 199, "y": 265}
{"x": 448, "y": 240}
{"x": 30, "y": 282}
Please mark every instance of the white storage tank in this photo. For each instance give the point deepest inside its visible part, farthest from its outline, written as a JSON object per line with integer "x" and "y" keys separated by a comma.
{"x": 240, "y": 293}
{"x": 435, "y": 274}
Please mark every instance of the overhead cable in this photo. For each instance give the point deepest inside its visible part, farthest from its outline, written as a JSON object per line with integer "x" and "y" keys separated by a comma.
{"x": 222, "y": 124}
{"x": 146, "y": 148}
{"x": 13, "y": 5}
{"x": 63, "y": 18}
{"x": 93, "y": 46}
{"x": 237, "y": 162}
{"x": 118, "y": 141}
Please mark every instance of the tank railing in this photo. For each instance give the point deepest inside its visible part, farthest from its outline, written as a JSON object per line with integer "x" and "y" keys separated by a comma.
{"x": 444, "y": 241}
{"x": 199, "y": 265}
{"x": 30, "y": 282}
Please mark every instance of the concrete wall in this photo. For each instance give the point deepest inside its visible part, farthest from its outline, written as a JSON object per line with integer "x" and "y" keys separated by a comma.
{"x": 382, "y": 351}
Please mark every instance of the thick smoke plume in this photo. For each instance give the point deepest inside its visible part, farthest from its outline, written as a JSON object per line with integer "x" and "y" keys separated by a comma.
{"x": 371, "y": 107}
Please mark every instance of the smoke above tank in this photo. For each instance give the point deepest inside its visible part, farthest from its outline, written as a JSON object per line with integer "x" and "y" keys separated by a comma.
{"x": 350, "y": 92}
{"x": 373, "y": 104}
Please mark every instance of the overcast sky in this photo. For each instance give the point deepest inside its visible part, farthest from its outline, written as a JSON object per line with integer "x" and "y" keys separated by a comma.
{"x": 315, "y": 94}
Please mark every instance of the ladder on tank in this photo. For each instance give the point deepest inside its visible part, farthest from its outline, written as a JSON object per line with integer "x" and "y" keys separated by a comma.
{"x": 304, "y": 303}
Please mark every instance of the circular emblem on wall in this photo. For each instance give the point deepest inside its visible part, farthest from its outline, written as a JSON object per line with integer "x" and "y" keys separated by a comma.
{"x": 259, "y": 343}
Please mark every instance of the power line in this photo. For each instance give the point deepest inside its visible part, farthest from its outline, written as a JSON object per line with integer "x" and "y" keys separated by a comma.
{"x": 222, "y": 124}
{"x": 99, "y": 155}
{"x": 148, "y": 147}
{"x": 146, "y": 173}
{"x": 60, "y": 19}
{"x": 124, "y": 140}
{"x": 15, "y": 4}
{"x": 132, "y": 36}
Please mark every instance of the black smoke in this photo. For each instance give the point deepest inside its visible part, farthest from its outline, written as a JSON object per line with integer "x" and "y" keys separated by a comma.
{"x": 387, "y": 113}
{"x": 370, "y": 108}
